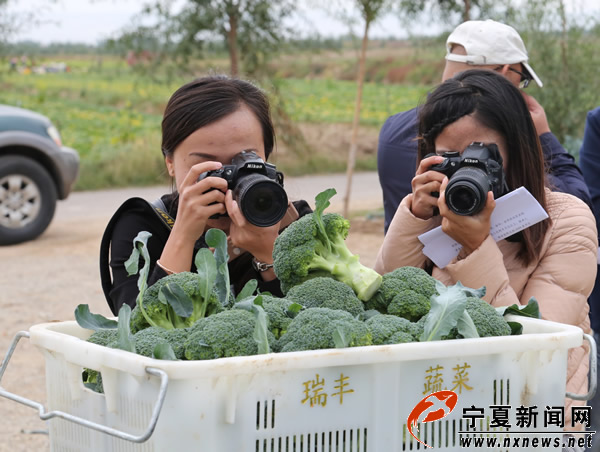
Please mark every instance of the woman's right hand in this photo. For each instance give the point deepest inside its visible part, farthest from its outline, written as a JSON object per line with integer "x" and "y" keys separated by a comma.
{"x": 198, "y": 201}
{"x": 425, "y": 182}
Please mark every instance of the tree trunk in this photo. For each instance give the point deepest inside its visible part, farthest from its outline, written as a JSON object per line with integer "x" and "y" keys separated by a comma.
{"x": 232, "y": 45}
{"x": 354, "y": 139}
{"x": 467, "y": 11}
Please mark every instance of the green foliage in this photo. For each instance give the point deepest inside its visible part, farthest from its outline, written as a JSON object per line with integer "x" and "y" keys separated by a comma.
{"x": 325, "y": 292}
{"x": 315, "y": 246}
{"x": 320, "y": 328}
{"x": 563, "y": 52}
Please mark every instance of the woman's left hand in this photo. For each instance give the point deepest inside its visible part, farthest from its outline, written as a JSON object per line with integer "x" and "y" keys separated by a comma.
{"x": 470, "y": 230}
{"x": 258, "y": 241}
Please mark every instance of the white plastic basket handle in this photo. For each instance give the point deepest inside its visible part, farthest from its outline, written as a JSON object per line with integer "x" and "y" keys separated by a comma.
{"x": 164, "y": 380}
{"x": 593, "y": 382}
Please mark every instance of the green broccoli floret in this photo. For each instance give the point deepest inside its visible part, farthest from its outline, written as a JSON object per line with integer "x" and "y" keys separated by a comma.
{"x": 400, "y": 337}
{"x": 486, "y": 319}
{"x": 324, "y": 292}
{"x": 92, "y": 379}
{"x": 154, "y": 312}
{"x": 383, "y": 327}
{"x": 314, "y": 245}
{"x": 279, "y": 313}
{"x": 147, "y": 339}
{"x": 320, "y": 328}
{"x": 398, "y": 280}
{"x": 225, "y": 334}
{"x": 410, "y": 305}
{"x": 103, "y": 337}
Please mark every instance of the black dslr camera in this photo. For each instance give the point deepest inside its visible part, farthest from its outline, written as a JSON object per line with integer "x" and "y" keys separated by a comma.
{"x": 470, "y": 176}
{"x": 257, "y": 187}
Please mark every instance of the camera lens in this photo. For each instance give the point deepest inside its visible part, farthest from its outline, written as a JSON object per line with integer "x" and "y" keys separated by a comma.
{"x": 466, "y": 192}
{"x": 262, "y": 200}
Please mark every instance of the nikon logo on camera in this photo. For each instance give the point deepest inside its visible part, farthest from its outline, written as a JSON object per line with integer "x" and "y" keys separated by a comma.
{"x": 254, "y": 166}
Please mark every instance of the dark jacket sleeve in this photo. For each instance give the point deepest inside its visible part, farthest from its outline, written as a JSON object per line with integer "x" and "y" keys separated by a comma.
{"x": 397, "y": 160}
{"x": 124, "y": 287}
{"x": 589, "y": 160}
{"x": 564, "y": 174}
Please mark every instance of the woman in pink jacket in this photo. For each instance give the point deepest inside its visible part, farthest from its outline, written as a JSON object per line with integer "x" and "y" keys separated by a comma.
{"x": 553, "y": 261}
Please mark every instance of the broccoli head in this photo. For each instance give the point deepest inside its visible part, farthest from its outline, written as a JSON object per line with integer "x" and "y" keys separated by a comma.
{"x": 324, "y": 292}
{"x": 314, "y": 245}
{"x": 410, "y": 305}
{"x": 279, "y": 313}
{"x": 225, "y": 334}
{"x": 103, "y": 337}
{"x": 383, "y": 327}
{"x": 398, "y": 280}
{"x": 320, "y": 328}
{"x": 400, "y": 337}
{"x": 156, "y": 312}
{"x": 147, "y": 339}
{"x": 486, "y": 319}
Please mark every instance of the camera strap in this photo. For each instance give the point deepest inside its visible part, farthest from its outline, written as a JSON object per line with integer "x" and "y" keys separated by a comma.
{"x": 161, "y": 210}
{"x": 157, "y": 206}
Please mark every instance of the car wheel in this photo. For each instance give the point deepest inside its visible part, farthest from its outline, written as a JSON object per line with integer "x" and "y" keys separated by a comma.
{"x": 27, "y": 199}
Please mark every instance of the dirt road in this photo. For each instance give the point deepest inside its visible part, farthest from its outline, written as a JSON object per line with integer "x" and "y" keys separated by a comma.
{"x": 44, "y": 280}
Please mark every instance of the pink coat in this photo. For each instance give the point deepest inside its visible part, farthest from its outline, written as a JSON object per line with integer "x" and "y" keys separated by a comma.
{"x": 561, "y": 279}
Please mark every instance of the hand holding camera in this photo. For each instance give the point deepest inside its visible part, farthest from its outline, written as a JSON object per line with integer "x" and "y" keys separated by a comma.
{"x": 257, "y": 188}
{"x": 471, "y": 175}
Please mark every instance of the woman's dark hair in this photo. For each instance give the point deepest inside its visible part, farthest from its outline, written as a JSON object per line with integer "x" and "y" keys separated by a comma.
{"x": 497, "y": 104}
{"x": 208, "y": 99}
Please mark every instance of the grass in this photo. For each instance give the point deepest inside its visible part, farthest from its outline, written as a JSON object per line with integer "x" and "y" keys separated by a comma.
{"x": 112, "y": 117}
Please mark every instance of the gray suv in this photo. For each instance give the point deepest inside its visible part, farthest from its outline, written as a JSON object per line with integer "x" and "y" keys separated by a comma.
{"x": 35, "y": 171}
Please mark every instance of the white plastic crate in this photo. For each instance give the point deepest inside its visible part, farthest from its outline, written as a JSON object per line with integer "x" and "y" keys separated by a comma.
{"x": 343, "y": 400}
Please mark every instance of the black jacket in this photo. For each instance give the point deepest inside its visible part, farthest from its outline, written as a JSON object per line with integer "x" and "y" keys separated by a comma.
{"x": 137, "y": 215}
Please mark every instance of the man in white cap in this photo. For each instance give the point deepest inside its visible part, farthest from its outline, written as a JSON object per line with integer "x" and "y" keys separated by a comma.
{"x": 474, "y": 44}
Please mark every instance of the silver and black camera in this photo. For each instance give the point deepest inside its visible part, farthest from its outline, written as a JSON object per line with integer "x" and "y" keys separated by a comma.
{"x": 470, "y": 176}
{"x": 257, "y": 187}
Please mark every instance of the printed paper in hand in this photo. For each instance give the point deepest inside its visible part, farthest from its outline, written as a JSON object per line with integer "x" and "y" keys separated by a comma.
{"x": 514, "y": 212}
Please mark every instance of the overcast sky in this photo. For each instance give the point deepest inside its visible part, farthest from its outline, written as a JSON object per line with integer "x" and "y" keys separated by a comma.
{"x": 90, "y": 21}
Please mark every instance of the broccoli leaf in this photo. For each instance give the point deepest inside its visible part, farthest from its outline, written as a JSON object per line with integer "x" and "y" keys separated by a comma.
{"x": 515, "y": 328}
{"x": 90, "y": 321}
{"x": 247, "y": 290}
{"x": 532, "y": 309}
{"x": 446, "y": 309}
{"x": 254, "y": 305}
{"x": 140, "y": 247}
{"x": 172, "y": 294}
{"x": 206, "y": 266}
{"x": 321, "y": 203}
{"x": 125, "y": 339}
{"x": 339, "y": 338}
{"x": 164, "y": 351}
{"x": 293, "y": 310}
{"x": 466, "y": 327}
{"x": 217, "y": 239}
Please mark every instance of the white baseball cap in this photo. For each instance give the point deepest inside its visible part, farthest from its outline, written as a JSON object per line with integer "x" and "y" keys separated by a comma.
{"x": 489, "y": 42}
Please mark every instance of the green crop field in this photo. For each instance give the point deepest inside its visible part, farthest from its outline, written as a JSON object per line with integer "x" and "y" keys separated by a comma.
{"x": 113, "y": 116}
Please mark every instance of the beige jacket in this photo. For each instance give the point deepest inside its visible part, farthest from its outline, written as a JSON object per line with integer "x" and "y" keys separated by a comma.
{"x": 561, "y": 279}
